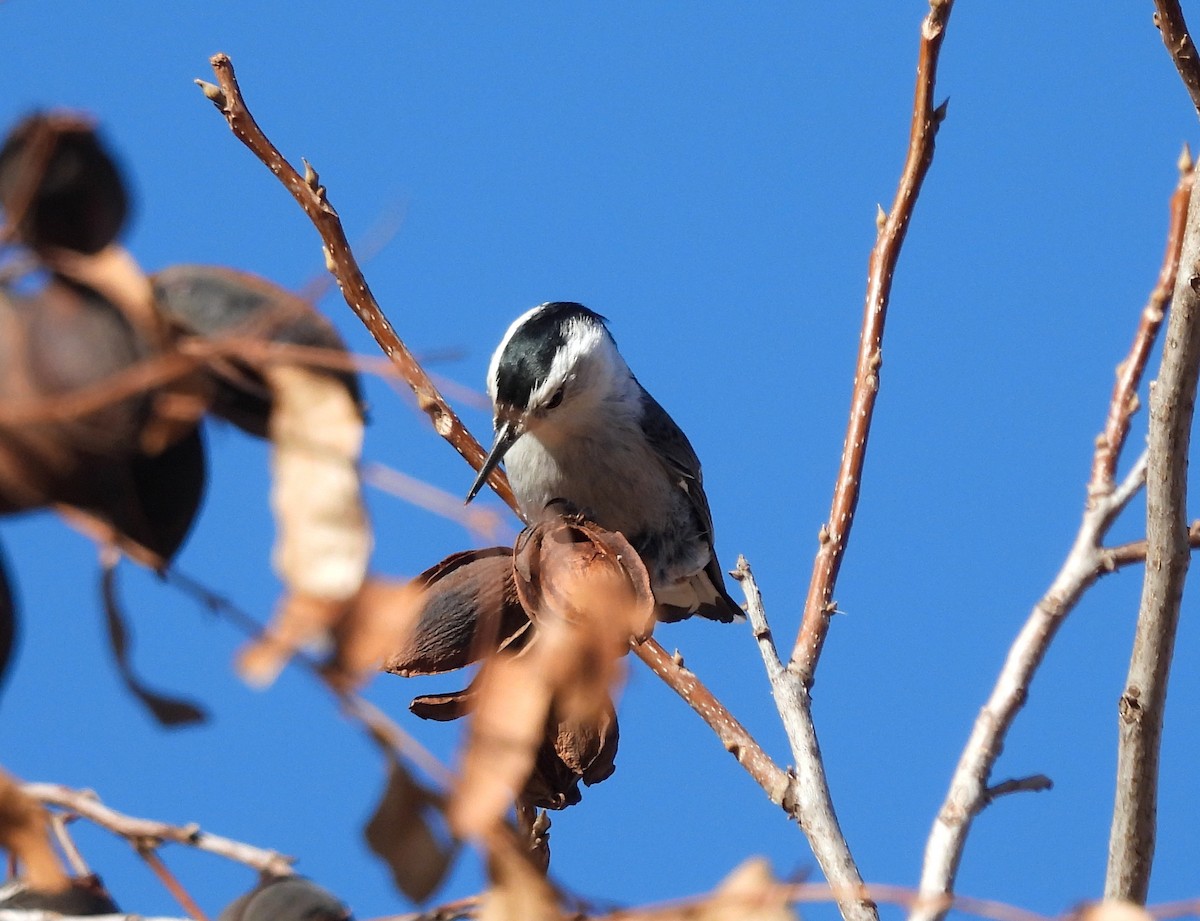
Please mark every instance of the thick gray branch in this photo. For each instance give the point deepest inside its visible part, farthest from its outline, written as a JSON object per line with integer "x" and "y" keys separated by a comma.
{"x": 1140, "y": 710}
{"x": 813, "y": 806}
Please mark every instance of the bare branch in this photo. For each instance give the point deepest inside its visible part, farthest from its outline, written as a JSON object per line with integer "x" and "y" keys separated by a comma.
{"x": 341, "y": 262}
{"x": 1168, "y": 552}
{"x": 1135, "y": 551}
{"x": 926, "y": 118}
{"x": 813, "y": 801}
{"x": 733, "y": 735}
{"x": 142, "y": 831}
{"x": 1168, "y": 16}
{"x": 1086, "y": 562}
{"x": 1034, "y": 783}
{"x": 1124, "y": 402}
{"x": 148, "y": 853}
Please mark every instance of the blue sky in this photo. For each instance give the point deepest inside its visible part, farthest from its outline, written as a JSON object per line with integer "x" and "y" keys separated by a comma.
{"x": 706, "y": 176}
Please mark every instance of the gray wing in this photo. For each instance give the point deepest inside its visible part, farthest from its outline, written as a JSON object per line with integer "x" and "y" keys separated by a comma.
{"x": 679, "y": 457}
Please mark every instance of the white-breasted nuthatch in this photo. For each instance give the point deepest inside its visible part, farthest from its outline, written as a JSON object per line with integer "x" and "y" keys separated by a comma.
{"x": 573, "y": 423}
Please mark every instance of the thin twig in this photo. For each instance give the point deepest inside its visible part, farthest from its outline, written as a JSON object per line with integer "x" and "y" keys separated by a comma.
{"x": 88, "y": 806}
{"x": 737, "y": 904}
{"x": 1141, "y": 707}
{"x": 378, "y": 725}
{"x": 170, "y": 882}
{"x": 341, "y": 263}
{"x": 1168, "y": 16}
{"x": 1135, "y": 551}
{"x": 1124, "y": 402}
{"x": 66, "y": 844}
{"x": 834, "y": 534}
{"x": 813, "y": 801}
{"x": 1034, "y": 783}
{"x": 733, "y": 735}
{"x": 968, "y": 793}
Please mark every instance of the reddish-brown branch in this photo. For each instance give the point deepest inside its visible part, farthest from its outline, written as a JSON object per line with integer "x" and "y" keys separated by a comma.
{"x": 341, "y": 263}
{"x": 1168, "y": 16}
{"x": 1124, "y": 401}
{"x": 835, "y": 533}
{"x": 733, "y": 735}
{"x": 1123, "y": 555}
{"x": 170, "y": 882}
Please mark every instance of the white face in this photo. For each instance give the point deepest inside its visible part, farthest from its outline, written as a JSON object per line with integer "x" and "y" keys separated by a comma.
{"x": 584, "y": 370}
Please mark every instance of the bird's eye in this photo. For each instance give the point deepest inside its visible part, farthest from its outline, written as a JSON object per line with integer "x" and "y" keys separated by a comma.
{"x": 556, "y": 399}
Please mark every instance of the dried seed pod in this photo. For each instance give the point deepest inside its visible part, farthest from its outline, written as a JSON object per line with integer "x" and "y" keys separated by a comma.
{"x": 59, "y": 184}
{"x": 210, "y": 300}
{"x": 469, "y": 608}
{"x": 286, "y": 898}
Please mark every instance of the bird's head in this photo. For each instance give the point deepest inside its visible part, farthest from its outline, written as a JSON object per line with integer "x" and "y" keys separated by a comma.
{"x": 555, "y": 369}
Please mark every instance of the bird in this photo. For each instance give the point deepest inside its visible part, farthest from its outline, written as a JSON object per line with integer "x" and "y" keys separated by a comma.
{"x": 572, "y": 423}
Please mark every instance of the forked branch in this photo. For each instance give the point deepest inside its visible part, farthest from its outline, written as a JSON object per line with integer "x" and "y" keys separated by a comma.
{"x": 1168, "y": 552}
{"x": 1086, "y": 562}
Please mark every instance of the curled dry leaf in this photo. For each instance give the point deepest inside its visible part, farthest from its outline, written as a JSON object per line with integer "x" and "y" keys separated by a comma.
{"x": 379, "y": 618}
{"x": 59, "y": 186}
{"x": 25, "y": 834}
{"x": 363, "y": 629}
{"x": 587, "y": 591}
{"x": 469, "y": 608}
{"x": 323, "y": 540}
{"x": 749, "y": 893}
{"x": 1112, "y": 910}
{"x": 508, "y": 728}
{"x": 168, "y": 711}
{"x": 407, "y": 831}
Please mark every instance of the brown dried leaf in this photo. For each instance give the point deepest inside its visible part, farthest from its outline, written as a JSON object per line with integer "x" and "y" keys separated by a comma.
{"x": 507, "y": 730}
{"x": 297, "y": 621}
{"x": 25, "y": 834}
{"x": 402, "y": 833}
{"x": 1113, "y": 910}
{"x": 469, "y": 608}
{"x": 749, "y": 893}
{"x": 168, "y": 711}
{"x": 442, "y": 708}
{"x": 519, "y": 892}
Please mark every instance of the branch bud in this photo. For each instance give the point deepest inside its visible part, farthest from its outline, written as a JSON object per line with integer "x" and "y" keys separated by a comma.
{"x": 215, "y": 94}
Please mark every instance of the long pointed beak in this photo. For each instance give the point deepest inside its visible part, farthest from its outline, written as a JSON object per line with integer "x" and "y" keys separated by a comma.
{"x": 506, "y": 436}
